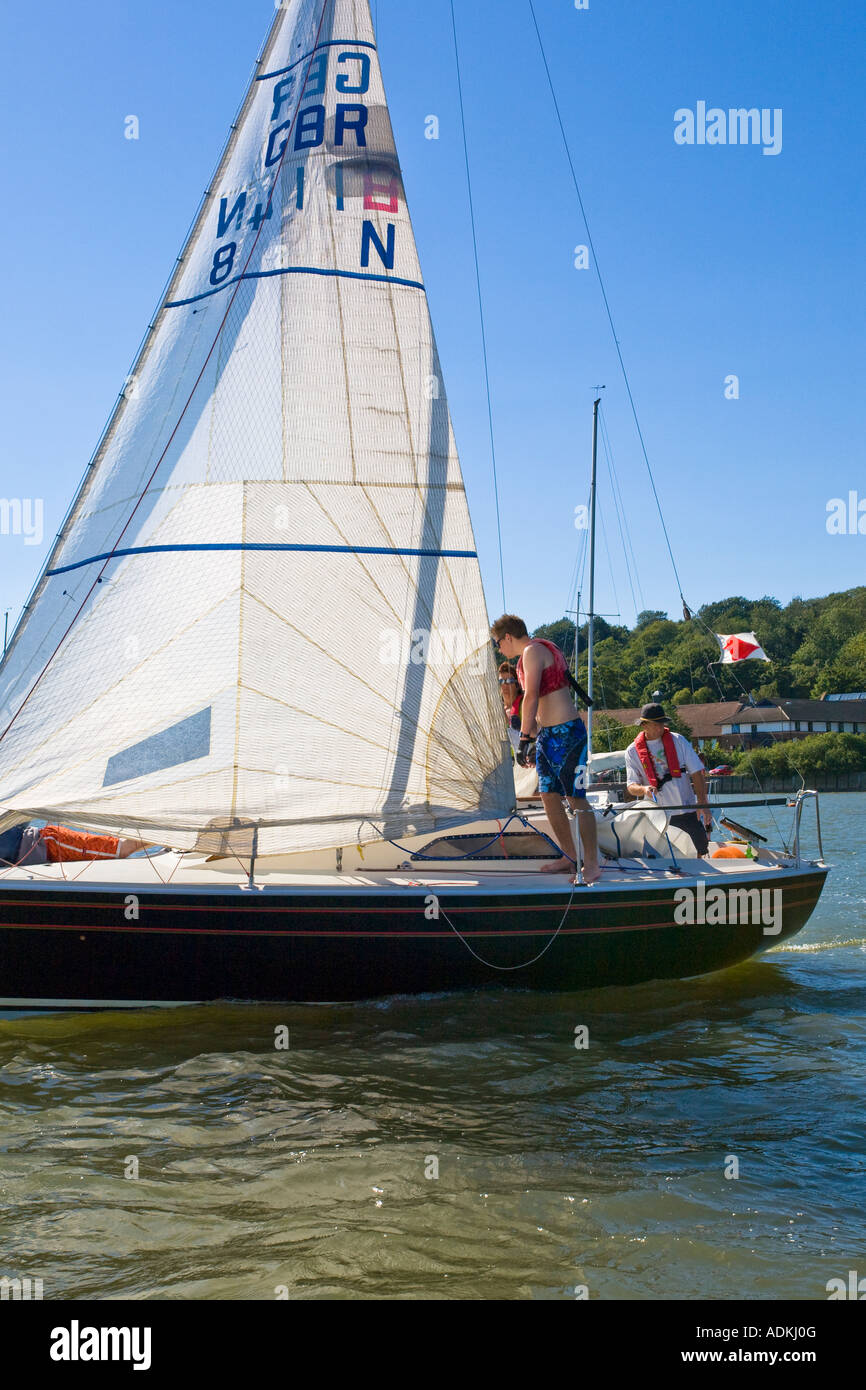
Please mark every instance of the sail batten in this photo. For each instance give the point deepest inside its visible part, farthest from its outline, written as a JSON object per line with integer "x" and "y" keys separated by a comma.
{"x": 265, "y": 608}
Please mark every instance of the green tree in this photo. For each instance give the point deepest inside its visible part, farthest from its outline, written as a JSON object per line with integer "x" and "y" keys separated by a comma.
{"x": 815, "y": 644}
{"x": 810, "y": 756}
{"x": 846, "y": 673}
{"x": 714, "y": 755}
{"x": 608, "y": 734}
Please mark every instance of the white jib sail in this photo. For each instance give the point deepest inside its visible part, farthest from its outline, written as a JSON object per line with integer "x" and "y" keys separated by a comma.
{"x": 265, "y": 609}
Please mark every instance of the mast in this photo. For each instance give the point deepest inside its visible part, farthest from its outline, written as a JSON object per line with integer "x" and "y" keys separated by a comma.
{"x": 590, "y": 647}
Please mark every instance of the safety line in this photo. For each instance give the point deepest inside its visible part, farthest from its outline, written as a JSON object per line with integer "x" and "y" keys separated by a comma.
{"x": 506, "y": 969}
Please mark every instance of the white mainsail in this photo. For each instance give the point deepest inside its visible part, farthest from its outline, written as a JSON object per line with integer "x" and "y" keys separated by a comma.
{"x": 264, "y": 608}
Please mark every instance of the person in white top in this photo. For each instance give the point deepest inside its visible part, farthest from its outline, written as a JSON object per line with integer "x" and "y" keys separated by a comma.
{"x": 662, "y": 766}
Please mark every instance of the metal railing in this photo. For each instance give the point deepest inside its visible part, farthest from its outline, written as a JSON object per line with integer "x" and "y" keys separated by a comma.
{"x": 795, "y": 803}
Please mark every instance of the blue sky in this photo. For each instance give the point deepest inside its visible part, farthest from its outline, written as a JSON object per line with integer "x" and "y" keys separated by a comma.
{"x": 718, "y": 260}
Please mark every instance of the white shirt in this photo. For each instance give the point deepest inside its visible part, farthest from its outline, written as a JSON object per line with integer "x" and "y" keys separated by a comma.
{"x": 679, "y": 790}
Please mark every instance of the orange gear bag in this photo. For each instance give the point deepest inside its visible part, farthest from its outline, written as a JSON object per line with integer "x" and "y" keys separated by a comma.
{"x": 63, "y": 844}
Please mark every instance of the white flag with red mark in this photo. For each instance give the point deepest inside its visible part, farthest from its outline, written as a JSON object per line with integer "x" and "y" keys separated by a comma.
{"x": 740, "y": 646}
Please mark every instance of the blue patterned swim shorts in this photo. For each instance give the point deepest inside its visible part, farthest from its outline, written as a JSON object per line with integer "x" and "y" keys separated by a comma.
{"x": 560, "y": 759}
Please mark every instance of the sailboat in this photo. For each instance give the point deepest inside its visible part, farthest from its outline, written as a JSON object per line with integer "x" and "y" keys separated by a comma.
{"x": 260, "y": 641}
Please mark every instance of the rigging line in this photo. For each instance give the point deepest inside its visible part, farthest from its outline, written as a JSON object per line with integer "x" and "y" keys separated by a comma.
{"x": 752, "y": 769}
{"x": 619, "y": 522}
{"x": 696, "y": 617}
{"x": 480, "y": 304}
{"x": 751, "y": 765}
{"x": 598, "y": 670}
{"x": 622, "y": 516}
{"x": 605, "y": 299}
{"x": 579, "y": 569}
{"x": 195, "y": 387}
{"x": 437, "y": 859}
{"x": 622, "y": 523}
{"x": 606, "y": 731}
{"x": 609, "y": 564}
{"x": 747, "y": 694}
{"x": 578, "y": 572}
{"x": 576, "y": 582}
{"x": 573, "y": 611}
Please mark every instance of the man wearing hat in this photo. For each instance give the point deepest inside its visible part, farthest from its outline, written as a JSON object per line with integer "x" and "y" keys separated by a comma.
{"x": 663, "y": 767}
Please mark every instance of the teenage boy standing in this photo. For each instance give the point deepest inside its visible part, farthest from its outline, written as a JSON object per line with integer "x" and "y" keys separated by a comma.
{"x": 549, "y": 718}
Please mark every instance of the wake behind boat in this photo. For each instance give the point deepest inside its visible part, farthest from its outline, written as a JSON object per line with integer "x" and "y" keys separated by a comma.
{"x": 279, "y": 491}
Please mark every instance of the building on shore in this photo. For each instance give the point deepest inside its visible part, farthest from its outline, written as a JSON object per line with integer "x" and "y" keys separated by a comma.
{"x": 737, "y": 724}
{"x": 770, "y": 721}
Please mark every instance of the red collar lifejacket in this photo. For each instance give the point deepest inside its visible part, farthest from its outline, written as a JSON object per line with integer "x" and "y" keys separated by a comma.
{"x": 554, "y": 677}
{"x": 642, "y": 749}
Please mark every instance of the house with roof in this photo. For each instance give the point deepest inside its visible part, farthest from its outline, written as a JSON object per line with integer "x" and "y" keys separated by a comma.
{"x": 739, "y": 724}
{"x": 770, "y": 721}
{"x": 702, "y": 721}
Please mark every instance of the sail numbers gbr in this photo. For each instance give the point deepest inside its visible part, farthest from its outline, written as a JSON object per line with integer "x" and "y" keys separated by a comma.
{"x": 297, "y": 127}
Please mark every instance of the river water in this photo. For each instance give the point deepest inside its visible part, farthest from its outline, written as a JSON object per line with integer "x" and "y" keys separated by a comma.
{"x": 181, "y": 1154}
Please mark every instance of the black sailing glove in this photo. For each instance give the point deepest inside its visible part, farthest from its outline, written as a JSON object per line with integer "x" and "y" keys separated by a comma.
{"x": 526, "y": 752}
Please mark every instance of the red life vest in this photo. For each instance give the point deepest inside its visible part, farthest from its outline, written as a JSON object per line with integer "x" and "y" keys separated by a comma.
{"x": 553, "y": 677}
{"x": 643, "y": 752}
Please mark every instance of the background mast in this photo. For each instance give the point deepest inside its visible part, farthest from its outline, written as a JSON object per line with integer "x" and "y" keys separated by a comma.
{"x": 590, "y": 646}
